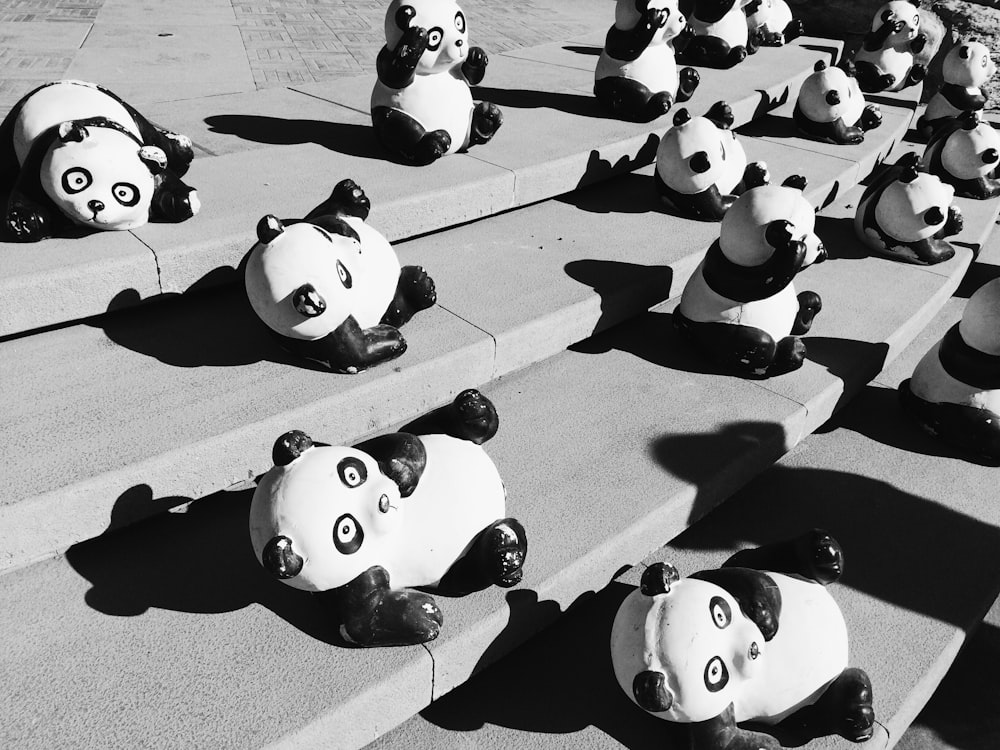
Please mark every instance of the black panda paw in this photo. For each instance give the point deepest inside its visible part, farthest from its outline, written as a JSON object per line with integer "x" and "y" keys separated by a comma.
{"x": 432, "y": 146}
{"x": 475, "y": 416}
{"x": 418, "y": 287}
{"x": 955, "y": 221}
{"x": 396, "y": 618}
{"x": 857, "y": 722}
{"x": 688, "y": 81}
{"x": 794, "y": 29}
{"x": 486, "y": 121}
{"x": 871, "y": 117}
{"x": 918, "y": 43}
{"x": 177, "y": 205}
{"x": 474, "y": 67}
{"x": 27, "y": 223}
{"x": 772, "y": 39}
{"x": 350, "y": 199}
{"x": 658, "y": 105}
{"x": 721, "y": 115}
{"x": 789, "y": 355}
{"x": 820, "y": 556}
{"x": 756, "y": 175}
{"x": 411, "y": 47}
{"x": 180, "y": 151}
{"x": 506, "y": 548}
{"x": 917, "y": 74}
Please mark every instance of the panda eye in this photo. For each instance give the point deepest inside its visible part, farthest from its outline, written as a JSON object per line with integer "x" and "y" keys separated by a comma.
{"x": 76, "y": 179}
{"x": 716, "y": 674}
{"x": 916, "y": 21}
{"x": 352, "y": 472}
{"x": 460, "y": 22}
{"x": 344, "y": 274}
{"x": 722, "y": 613}
{"x": 434, "y": 37}
{"x": 125, "y": 193}
{"x": 984, "y": 61}
{"x": 348, "y": 535}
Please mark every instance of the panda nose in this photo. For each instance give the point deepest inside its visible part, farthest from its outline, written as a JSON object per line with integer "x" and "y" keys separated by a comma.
{"x": 95, "y": 206}
{"x": 459, "y": 42}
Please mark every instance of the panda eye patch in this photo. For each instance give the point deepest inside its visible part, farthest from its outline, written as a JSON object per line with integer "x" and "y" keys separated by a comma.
{"x": 352, "y": 472}
{"x": 722, "y": 613}
{"x": 716, "y": 674}
{"x": 434, "y": 37}
{"x": 348, "y": 535}
{"x": 460, "y": 22}
{"x": 125, "y": 193}
{"x": 76, "y": 180}
{"x": 345, "y": 275}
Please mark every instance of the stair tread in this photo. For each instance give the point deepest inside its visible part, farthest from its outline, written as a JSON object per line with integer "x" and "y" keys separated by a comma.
{"x": 543, "y": 151}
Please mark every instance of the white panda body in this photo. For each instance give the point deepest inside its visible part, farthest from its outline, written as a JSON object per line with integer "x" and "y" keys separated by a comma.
{"x": 731, "y": 28}
{"x": 894, "y": 62}
{"x": 62, "y": 101}
{"x": 967, "y": 65}
{"x": 675, "y": 634}
{"x": 380, "y": 274}
{"x": 438, "y": 101}
{"x": 774, "y": 315}
{"x": 962, "y": 152}
{"x": 774, "y": 15}
{"x": 725, "y": 154}
{"x": 899, "y": 211}
{"x": 655, "y": 68}
{"x": 931, "y": 382}
{"x": 939, "y": 106}
{"x": 814, "y": 90}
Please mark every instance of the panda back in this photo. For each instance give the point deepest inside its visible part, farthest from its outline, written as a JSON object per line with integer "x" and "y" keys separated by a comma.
{"x": 655, "y": 68}
{"x": 731, "y": 28}
{"x": 65, "y": 100}
{"x": 931, "y": 382}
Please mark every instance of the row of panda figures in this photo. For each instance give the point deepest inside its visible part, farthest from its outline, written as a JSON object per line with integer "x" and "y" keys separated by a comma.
{"x": 758, "y": 639}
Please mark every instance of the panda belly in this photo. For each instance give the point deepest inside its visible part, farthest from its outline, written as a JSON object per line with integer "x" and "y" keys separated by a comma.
{"x": 65, "y": 100}
{"x": 731, "y": 28}
{"x": 440, "y": 101}
{"x": 655, "y": 69}
{"x": 891, "y": 61}
{"x": 808, "y": 652}
{"x": 931, "y": 382}
{"x": 774, "y": 315}
{"x": 379, "y": 275}
{"x": 459, "y": 494}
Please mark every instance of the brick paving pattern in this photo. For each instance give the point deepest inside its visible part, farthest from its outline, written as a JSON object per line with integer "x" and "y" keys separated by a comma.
{"x": 286, "y": 41}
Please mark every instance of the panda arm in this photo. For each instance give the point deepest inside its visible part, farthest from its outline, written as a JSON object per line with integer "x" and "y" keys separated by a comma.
{"x": 401, "y": 456}
{"x": 756, "y": 592}
{"x": 29, "y": 213}
{"x": 628, "y": 45}
{"x": 960, "y": 98}
{"x": 708, "y": 204}
{"x": 373, "y": 614}
{"x": 172, "y": 199}
{"x": 746, "y": 284}
{"x": 474, "y": 67}
{"x": 396, "y": 67}
{"x": 875, "y": 40}
{"x": 721, "y": 733}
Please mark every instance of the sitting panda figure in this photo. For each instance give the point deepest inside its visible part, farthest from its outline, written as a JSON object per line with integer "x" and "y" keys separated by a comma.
{"x": 964, "y": 152}
{"x": 701, "y": 166}
{"x": 421, "y": 105}
{"x": 954, "y": 392}
{"x": 770, "y": 23}
{"x": 637, "y": 77}
{"x": 329, "y": 287}
{"x": 717, "y": 35}
{"x": 362, "y": 524}
{"x": 759, "y": 639}
{"x": 885, "y": 60}
{"x": 965, "y": 70}
{"x": 905, "y": 214}
{"x": 740, "y": 306}
{"x": 73, "y": 153}
{"x": 831, "y": 108}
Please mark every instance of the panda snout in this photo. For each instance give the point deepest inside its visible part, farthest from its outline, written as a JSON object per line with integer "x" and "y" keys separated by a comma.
{"x": 279, "y": 559}
{"x": 95, "y": 206}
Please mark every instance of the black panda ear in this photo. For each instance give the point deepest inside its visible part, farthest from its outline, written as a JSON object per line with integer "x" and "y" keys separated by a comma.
{"x": 990, "y": 155}
{"x": 796, "y": 181}
{"x": 404, "y": 15}
{"x": 820, "y": 65}
{"x": 153, "y": 157}
{"x": 72, "y": 131}
{"x": 964, "y": 52}
{"x": 699, "y": 162}
{"x": 290, "y": 446}
{"x": 909, "y": 174}
{"x": 681, "y": 116}
{"x": 886, "y": 15}
{"x": 832, "y": 98}
{"x": 268, "y": 229}
{"x": 933, "y": 215}
{"x": 657, "y": 579}
{"x": 650, "y": 691}
{"x": 969, "y": 119}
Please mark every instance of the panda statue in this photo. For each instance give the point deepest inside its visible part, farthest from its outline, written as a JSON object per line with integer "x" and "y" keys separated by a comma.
{"x": 329, "y": 287}
{"x": 701, "y": 166}
{"x": 954, "y": 392}
{"x": 966, "y": 69}
{"x": 964, "y": 152}
{"x": 770, "y": 23}
{"x": 885, "y": 61}
{"x": 831, "y": 108}
{"x": 360, "y": 525}
{"x": 73, "y": 153}
{"x": 905, "y": 214}
{"x": 739, "y": 306}
{"x": 637, "y": 77}
{"x": 421, "y": 105}
{"x": 759, "y": 639}
{"x": 717, "y": 34}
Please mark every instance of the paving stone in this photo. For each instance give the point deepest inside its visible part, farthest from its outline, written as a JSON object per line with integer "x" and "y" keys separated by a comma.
{"x": 42, "y": 35}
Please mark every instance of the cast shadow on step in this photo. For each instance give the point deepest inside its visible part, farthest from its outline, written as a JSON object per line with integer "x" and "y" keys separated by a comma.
{"x": 351, "y": 139}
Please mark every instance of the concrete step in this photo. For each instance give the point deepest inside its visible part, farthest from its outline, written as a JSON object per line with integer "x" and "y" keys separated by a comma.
{"x": 920, "y": 528}
{"x": 219, "y": 392}
{"x": 607, "y": 450}
{"x": 254, "y": 158}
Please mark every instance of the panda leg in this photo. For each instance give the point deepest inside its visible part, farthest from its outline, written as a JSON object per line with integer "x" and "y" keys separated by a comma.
{"x": 816, "y": 555}
{"x": 414, "y": 292}
{"x": 471, "y": 416}
{"x": 809, "y": 306}
{"x": 790, "y": 353}
{"x": 173, "y": 201}
{"x": 350, "y": 348}
{"x": 630, "y": 100}
{"x": 407, "y": 138}
{"x": 486, "y": 121}
{"x": 743, "y": 348}
{"x": 722, "y": 732}
{"x": 373, "y": 614}
{"x": 871, "y": 117}
{"x": 917, "y": 73}
{"x": 688, "y": 80}
{"x": 495, "y": 558}
{"x": 975, "y": 431}
{"x": 794, "y": 29}
{"x": 713, "y": 52}
{"x": 845, "y": 709}
{"x": 347, "y": 198}
{"x": 870, "y": 79}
